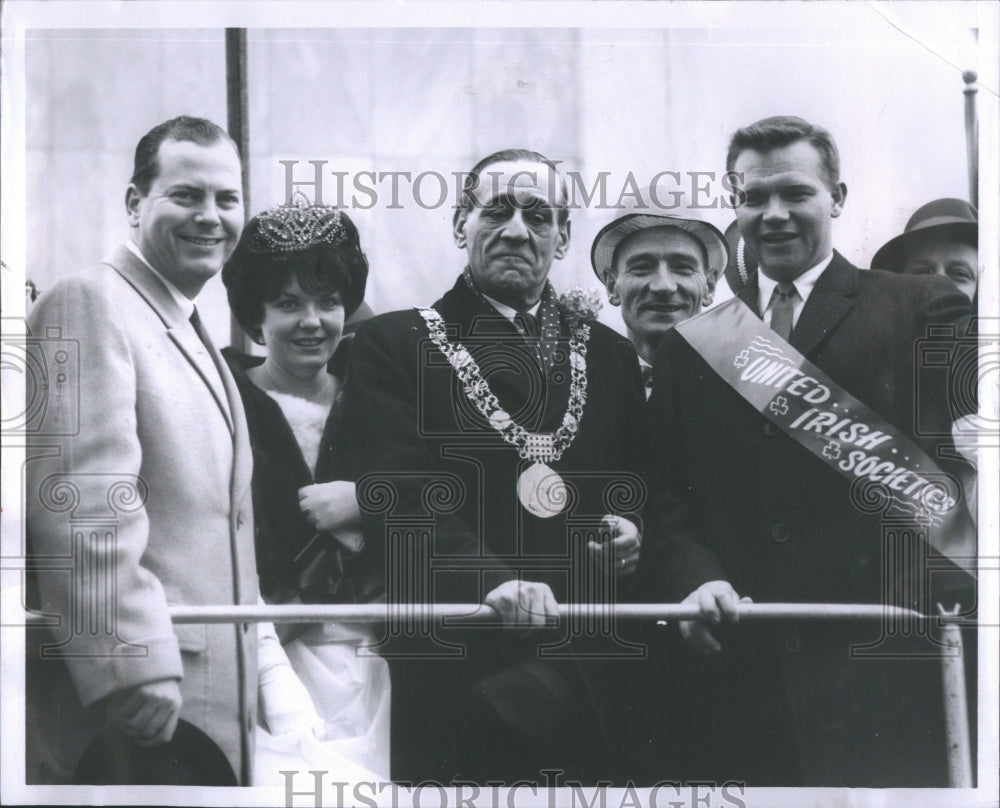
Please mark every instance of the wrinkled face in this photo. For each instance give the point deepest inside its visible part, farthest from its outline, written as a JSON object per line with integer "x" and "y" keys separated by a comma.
{"x": 512, "y": 231}
{"x": 659, "y": 280}
{"x": 788, "y": 208}
{"x": 928, "y": 255}
{"x": 301, "y": 330}
{"x": 189, "y": 222}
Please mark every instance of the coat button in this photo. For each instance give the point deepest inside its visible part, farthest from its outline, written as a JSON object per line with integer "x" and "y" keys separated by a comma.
{"x": 250, "y": 722}
{"x": 771, "y": 430}
{"x": 793, "y": 643}
{"x": 780, "y": 533}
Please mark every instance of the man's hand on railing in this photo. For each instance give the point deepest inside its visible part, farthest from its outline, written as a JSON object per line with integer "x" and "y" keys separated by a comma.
{"x": 717, "y": 601}
{"x": 620, "y": 554}
{"x": 150, "y": 712}
{"x": 523, "y": 603}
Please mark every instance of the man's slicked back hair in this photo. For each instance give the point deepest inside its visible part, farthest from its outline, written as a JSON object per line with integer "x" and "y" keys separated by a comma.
{"x": 512, "y": 156}
{"x": 783, "y": 130}
{"x": 194, "y": 130}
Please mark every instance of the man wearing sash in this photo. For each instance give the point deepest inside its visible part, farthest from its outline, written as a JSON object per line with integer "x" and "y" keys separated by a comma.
{"x": 497, "y": 454}
{"x": 797, "y": 436}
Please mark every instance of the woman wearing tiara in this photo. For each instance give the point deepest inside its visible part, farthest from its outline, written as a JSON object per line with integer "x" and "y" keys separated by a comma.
{"x": 296, "y": 274}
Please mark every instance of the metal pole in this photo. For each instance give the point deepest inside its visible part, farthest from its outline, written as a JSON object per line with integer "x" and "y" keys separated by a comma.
{"x": 459, "y": 613}
{"x": 972, "y": 135}
{"x": 952, "y": 662}
{"x": 238, "y": 123}
{"x": 956, "y": 717}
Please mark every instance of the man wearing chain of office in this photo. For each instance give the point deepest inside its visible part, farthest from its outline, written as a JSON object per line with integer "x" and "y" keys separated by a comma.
{"x": 503, "y": 418}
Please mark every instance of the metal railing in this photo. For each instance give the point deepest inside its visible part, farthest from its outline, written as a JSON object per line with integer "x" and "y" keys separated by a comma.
{"x": 458, "y": 614}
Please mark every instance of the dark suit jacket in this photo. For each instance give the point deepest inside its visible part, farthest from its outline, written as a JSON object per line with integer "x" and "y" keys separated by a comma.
{"x": 429, "y": 468}
{"x": 411, "y": 426}
{"x": 736, "y": 499}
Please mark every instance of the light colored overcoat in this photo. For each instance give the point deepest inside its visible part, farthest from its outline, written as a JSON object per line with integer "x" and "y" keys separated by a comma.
{"x": 138, "y": 497}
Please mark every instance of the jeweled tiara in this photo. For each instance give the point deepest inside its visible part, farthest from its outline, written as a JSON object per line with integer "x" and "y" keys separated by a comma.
{"x": 297, "y": 225}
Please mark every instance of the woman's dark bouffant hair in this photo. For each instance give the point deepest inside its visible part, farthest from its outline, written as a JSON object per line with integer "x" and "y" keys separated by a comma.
{"x": 254, "y": 277}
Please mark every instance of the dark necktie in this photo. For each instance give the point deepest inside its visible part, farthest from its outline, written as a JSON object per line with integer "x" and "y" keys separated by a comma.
{"x": 782, "y": 309}
{"x": 199, "y": 329}
{"x": 647, "y": 379}
{"x": 527, "y": 324}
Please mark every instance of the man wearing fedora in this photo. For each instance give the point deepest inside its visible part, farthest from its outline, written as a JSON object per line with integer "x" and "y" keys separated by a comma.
{"x": 753, "y": 498}
{"x": 941, "y": 238}
{"x": 661, "y": 269}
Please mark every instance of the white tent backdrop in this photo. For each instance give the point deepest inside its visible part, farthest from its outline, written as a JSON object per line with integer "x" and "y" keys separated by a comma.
{"x": 611, "y": 89}
{"x": 435, "y": 99}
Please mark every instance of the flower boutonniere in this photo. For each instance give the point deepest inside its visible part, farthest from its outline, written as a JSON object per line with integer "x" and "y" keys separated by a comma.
{"x": 580, "y": 305}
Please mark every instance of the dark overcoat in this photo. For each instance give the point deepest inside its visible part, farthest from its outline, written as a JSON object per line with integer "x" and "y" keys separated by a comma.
{"x": 735, "y": 498}
{"x": 438, "y": 487}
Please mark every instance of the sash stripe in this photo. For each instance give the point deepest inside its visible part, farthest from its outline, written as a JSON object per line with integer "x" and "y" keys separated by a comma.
{"x": 841, "y": 431}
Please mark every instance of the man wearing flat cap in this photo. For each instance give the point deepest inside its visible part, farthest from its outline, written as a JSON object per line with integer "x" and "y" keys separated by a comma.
{"x": 796, "y": 437}
{"x": 499, "y": 424}
{"x": 661, "y": 269}
{"x": 941, "y": 238}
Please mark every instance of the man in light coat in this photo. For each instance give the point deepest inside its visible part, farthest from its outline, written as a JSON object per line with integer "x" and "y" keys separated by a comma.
{"x": 138, "y": 479}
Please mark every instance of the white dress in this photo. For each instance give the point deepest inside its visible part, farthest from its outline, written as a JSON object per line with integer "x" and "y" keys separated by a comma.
{"x": 347, "y": 682}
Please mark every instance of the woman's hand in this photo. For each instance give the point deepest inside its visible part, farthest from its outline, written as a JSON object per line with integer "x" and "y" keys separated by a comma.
{"x": 283, "y": 700}
{"x": 330, "y": 505}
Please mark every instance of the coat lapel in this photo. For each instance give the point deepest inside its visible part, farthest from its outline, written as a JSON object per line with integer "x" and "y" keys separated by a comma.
{"x": 242, "y": 457}
{"x": 179, "y": 329}
{"x": 833, "y": 296}
{"x": 484, "y": 328}
{"x": 749, "y": 294}
{"x": 474, "y": 317}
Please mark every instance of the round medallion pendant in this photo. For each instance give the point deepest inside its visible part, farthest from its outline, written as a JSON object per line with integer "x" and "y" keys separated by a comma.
{"x": 541, "y": 491}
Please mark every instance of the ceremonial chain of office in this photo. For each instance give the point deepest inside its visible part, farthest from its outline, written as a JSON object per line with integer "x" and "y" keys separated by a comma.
{"x": 538, "y": 486}
{"x": 541, "y": 448}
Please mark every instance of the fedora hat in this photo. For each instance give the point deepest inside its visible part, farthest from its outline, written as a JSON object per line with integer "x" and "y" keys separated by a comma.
{"x": 643, "y": 214}
{"x": 953, "y": 219}
{"x": 190, "y": 758}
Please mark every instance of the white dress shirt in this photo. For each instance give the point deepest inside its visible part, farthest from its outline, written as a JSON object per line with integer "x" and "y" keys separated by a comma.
{"x": 510, "y": 313}
{"x": 803, "y": 286}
